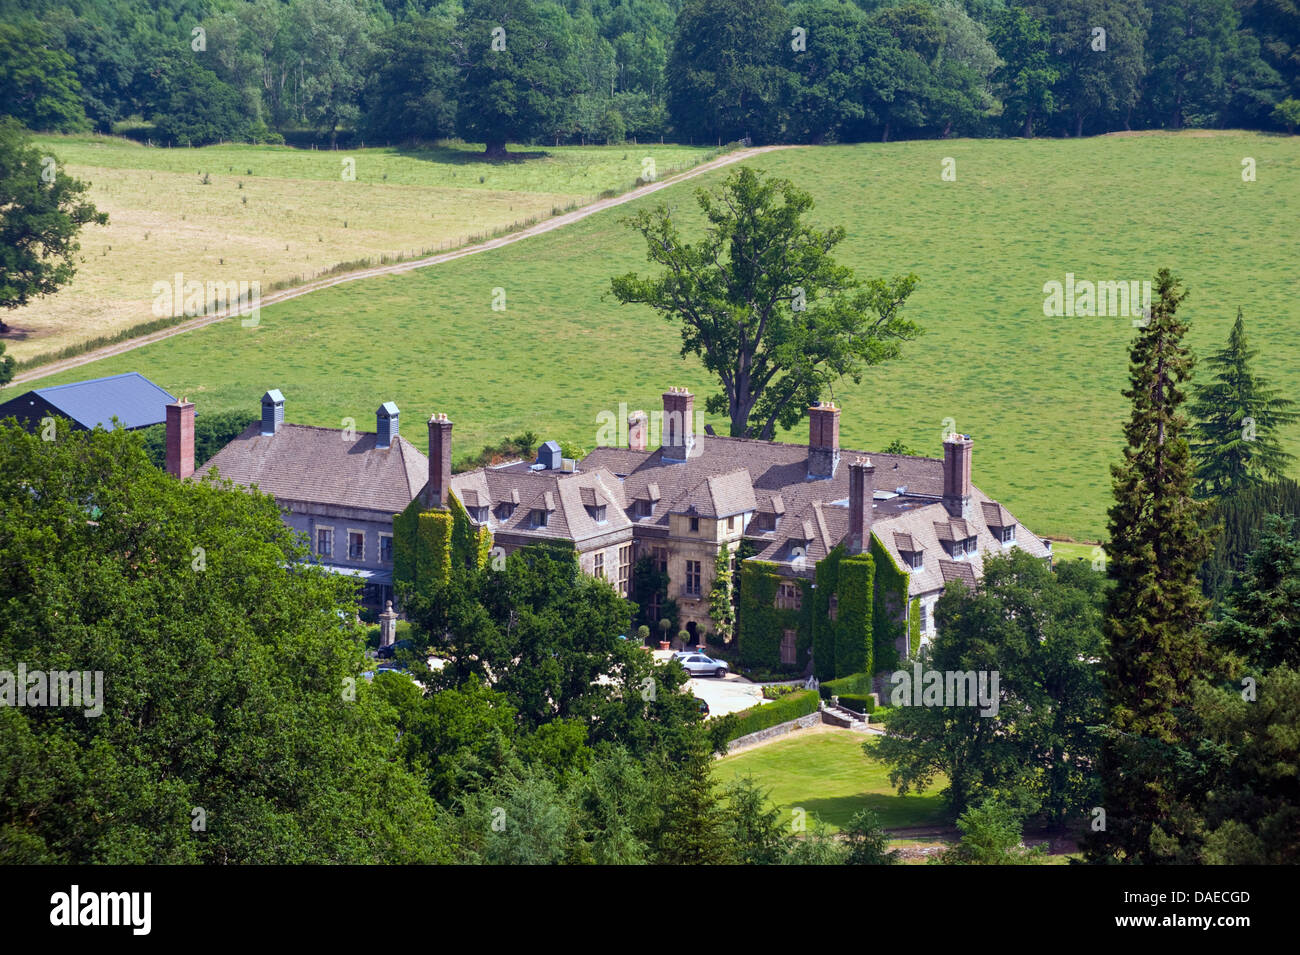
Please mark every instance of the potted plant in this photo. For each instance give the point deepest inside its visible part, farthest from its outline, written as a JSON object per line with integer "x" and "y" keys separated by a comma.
{"x": 643, "y": 634}
{"x": 664, "y": 626}
{"x": 683, "y": 638}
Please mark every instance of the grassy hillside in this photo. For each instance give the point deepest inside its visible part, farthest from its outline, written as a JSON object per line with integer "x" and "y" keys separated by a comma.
{"x": 1041, "y": 396}
{"x": 280, "y": 215}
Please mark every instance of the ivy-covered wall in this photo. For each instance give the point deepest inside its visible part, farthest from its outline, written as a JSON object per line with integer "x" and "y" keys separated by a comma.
{"x": 427, "y": 544}
{"x": 891, "y": 605}
{"x": 871, "y": 594}
{"x": 760, "y": 623}
{"x": 914, "y": 638}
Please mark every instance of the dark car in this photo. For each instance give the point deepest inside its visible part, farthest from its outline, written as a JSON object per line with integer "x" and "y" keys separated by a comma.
{"x": 386, "y": 653}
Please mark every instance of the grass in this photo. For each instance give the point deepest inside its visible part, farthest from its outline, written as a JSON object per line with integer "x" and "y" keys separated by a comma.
{"x": 281, "y": 216}
{"x": 1041, "y": 396}
{"x": 828, "y": 775}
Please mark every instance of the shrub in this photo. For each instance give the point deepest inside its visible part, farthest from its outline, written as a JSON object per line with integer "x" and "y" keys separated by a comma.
{"x": 857, "y": 684}
{"x": 778, "y": 691}
{"x": 790, "y": 707}
{"x": 858, "y": 703}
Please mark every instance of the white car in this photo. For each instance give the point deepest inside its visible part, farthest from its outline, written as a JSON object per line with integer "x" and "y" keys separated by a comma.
{"x": 697, "y": 664}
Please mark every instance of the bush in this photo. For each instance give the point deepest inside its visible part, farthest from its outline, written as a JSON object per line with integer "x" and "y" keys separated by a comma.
{"x": 857, "y": 684}
{"x": 778, "y": 691}
{"x": 858, "y": 703}
{"x": 790, "y": 707}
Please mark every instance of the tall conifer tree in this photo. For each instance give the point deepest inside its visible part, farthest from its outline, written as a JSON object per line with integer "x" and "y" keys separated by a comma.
{"x": 1155, "y": 612}
{"x": 1234, "y": 439}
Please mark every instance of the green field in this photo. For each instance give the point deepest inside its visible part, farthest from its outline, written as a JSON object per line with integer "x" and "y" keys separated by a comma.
{"x": 280, "y": 216}
{"x": 1041, "y": 396}
{"x": 828, "y": 775}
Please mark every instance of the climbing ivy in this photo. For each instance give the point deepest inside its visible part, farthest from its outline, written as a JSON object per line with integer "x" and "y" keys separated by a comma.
{"x": 427, "y": 544}
{"x": 890, "y": 606}
{"x": 762, "y": 623}
{"x": 914, "y": 641}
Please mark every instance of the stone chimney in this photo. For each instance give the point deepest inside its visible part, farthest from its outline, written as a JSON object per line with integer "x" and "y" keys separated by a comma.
{"x": 679, "y": 416}
{"x": 823, "y": 440}
{"x": 439, "y": 461}
{"x": 180, "y": 439}
{"x": 638, "y": 427}
{"x": 862, "y": 495}
{"x": 272, "y": 411}
{"x": 386, "y": 425}
{"x": 956, "y": 474}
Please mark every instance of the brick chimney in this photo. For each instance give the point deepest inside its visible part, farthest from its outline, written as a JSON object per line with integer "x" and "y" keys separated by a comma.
{"x": 272, "y": 411}
{"x": 638, "y": 426}
{"x": 386, "y": 425}
{"x": 439, "y": 461}
{"x": 180, "y": 439}
{"x": 823, "y": 440}
{"x": 956, "y": 474}
{"x": 862, "y": 495}
{"x": 679, "y": 415}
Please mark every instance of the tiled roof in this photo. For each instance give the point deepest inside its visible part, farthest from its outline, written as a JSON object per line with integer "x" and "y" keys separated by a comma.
{"x": 995, "y": 515}
{"x": 324, "y": 466}
{"x": 722, "y": 495}
{"x": 564, "y": 495}
{"x": 957, "y": 570}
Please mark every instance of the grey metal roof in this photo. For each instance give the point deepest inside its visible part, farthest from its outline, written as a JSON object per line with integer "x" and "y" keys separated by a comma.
{"x": 132, "y": 398}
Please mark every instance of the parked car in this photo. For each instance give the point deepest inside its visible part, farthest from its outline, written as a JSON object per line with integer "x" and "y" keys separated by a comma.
{"x": 386, "y": 653}
{"x": 697, "y": 664}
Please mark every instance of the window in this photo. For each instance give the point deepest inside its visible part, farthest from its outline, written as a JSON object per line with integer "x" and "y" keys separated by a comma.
{"x": 505, "y": 510}
{"x": 731, "y": 524}
{"x": 624, "y": 568}
{"x": 386, "y": 548}
{"x": 695, "y": 524}
{"x": 789, "y": 597}
{"x": 1007, "y": 534}
{"x": 643, "y": 509}
{"x": 325, "y": 541}
{"x": 787, "y": 647}
{"x": 660, "y": 555}
{"x": 693, "y": 578}
{"x": 356, "y": 545}
{"x": 598, "y": 565}
{"x": 925, "y": 618}
{"x": 917, "y": 559}
{"x": 540, "y": 517}
{"x": 479, "y": 514}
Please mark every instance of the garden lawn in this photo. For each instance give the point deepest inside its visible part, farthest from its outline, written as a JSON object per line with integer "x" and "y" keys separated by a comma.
{"x": 826, "y": 773}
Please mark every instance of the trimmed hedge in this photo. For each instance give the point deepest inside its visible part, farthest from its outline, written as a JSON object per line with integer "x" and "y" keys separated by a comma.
{"x": 856, "y": 684}
{"x": 789, "y": 707}
{"x": 857, "y": 703}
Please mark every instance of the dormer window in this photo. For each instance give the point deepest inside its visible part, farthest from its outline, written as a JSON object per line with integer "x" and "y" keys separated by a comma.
{"x": 540, "y": 517}
{"x": 1006, "y": 535}
{"x": 916, "y": 559}
{"x": 479, "y": 514}
{"x": 642, "y": 509}
{"x": 505, "y": 510}
{"x": 695, "y": 525}
{"x": 597, "y": 513}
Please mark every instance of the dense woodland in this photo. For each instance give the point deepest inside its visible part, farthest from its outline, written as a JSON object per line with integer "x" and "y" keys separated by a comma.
{"x": 385, "y": 71}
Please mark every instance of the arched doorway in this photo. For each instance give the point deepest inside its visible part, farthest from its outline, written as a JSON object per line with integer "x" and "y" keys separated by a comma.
{"x": 692, "y": 630}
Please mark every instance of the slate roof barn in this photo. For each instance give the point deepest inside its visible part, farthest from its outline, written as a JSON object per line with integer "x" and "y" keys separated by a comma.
{"x": 132, "y": 398}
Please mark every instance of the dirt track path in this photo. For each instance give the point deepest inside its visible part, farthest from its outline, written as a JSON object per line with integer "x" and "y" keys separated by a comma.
{"x": 546, "y": 225}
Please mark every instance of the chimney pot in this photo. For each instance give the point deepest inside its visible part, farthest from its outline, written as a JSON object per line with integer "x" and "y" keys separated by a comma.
{"x": 180, "y": 439}
{"x": 439, "y": 486}
{"x": 862, "y": 496}
{"x": 957, "y": 452}
{"x": 679, "y": 417}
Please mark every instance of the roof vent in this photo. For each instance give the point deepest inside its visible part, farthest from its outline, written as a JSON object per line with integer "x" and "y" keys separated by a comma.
{"x": 549, "y": 456}
{"x": 272, "y": 411}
